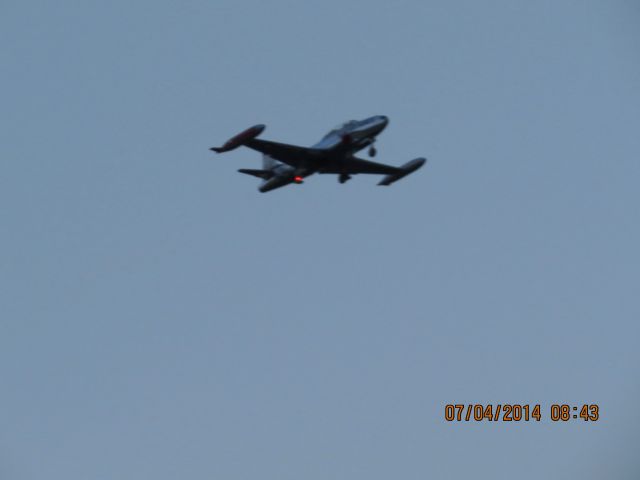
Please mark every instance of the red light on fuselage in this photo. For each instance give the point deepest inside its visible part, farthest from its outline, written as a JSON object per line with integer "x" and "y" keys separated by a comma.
{"x": 297, "y": 179}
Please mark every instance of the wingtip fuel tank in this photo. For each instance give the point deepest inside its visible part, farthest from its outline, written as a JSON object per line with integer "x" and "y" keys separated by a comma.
{"x": 240, "y": 138}
{"x": 405, "y": 170}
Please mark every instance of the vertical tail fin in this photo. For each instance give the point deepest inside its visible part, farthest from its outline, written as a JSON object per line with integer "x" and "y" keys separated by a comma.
{"x": 268, "y": 162}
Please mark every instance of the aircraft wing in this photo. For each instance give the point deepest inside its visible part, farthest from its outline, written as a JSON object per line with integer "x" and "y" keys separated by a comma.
{"x": 359, "y": 165}
{"x": 289, "y": 154}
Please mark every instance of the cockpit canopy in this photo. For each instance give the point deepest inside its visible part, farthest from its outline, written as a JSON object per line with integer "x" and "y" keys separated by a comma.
{"x": 350, "y": 123}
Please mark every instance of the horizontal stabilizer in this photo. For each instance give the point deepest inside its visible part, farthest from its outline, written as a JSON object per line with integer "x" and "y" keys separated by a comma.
{"x": 405, "y": 170}
{"x": 239, "y": 139}
{"x": 264, "y": 174}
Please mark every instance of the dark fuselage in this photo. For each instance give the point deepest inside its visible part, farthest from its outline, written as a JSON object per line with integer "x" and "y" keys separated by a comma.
{"x": 330, "y": 152}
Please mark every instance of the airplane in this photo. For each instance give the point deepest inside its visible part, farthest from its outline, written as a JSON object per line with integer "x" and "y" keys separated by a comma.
{"x": 283, "y": 164}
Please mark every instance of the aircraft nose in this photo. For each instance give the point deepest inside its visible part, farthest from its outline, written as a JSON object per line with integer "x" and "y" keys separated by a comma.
{"x": 380, "y": 123}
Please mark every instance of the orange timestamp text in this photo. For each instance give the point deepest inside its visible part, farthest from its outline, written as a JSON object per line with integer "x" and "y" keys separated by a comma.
{"x": 515, "y": 412}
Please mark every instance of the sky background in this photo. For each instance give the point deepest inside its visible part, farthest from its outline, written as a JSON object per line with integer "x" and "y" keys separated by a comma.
{"x": 160, "y": 318}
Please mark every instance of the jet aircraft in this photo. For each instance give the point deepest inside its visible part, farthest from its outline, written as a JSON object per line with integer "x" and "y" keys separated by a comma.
{"x": 283, "y": 164}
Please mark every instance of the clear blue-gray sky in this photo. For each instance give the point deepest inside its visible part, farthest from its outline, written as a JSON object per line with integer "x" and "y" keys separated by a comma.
{"x": 162, "y": 319}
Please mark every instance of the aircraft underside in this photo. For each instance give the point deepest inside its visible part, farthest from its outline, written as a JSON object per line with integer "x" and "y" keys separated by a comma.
{"x": 284, "y": 164}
